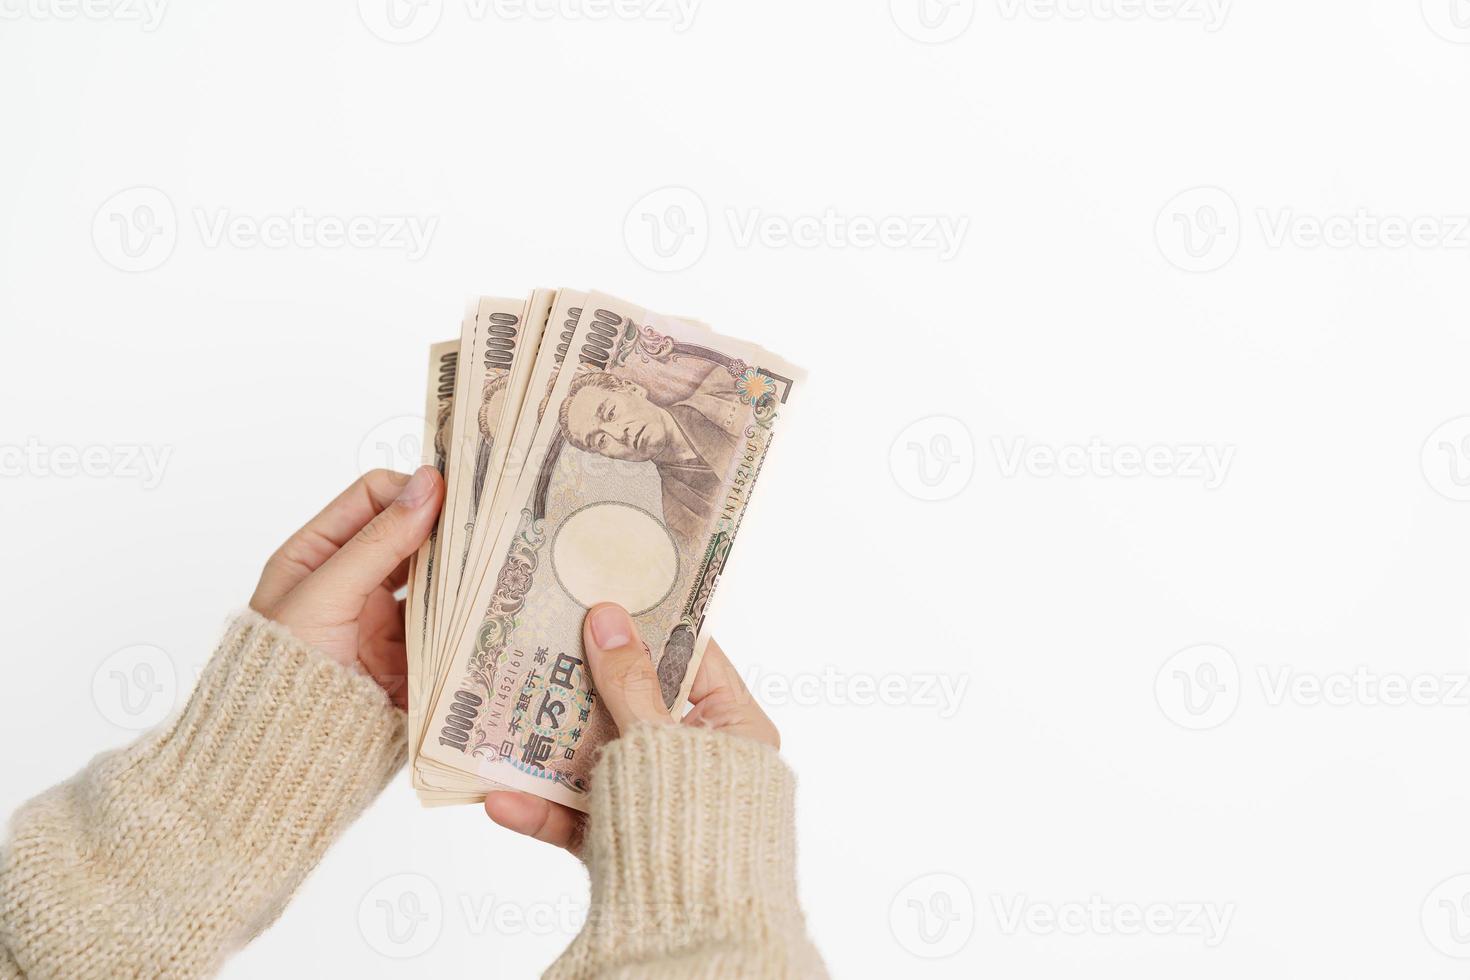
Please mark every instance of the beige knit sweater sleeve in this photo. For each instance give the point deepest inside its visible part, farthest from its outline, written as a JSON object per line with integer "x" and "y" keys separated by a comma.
{"x": 162, "y": 858}
{"x": 692, "y": 851}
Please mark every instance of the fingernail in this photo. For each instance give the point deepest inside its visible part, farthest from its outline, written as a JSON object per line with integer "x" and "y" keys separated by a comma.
{"x": 611, "y": 627}
{"x": 418, "y": 488}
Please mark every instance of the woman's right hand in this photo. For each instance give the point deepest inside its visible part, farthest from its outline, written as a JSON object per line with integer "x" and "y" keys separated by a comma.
{"x": 627, "y": 685}
{"x": 332, "y": 583}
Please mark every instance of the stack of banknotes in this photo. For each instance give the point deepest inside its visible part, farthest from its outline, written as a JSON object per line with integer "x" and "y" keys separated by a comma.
{"x": 592, "y": 451}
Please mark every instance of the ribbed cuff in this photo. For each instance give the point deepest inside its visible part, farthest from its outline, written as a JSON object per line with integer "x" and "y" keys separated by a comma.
{"x": 690, "y": 844}
{"x": 161, "y": 857}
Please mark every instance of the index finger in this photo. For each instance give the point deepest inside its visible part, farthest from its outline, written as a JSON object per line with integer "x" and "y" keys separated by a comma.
{"x": 309, "y": 548}
{"x": 717, "y": 673}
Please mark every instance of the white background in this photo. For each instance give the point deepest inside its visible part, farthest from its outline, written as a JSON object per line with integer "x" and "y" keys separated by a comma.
{"x": 1060, "y": 140}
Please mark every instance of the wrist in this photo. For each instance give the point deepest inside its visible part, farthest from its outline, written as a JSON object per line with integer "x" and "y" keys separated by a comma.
{"x": 690, "y": 836}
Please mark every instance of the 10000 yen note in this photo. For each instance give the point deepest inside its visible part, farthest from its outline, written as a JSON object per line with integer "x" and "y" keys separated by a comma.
{"x": 500, "y": 418}
{"x": 443, "y": 361}
{"x": 487, "y": 354}
{"x": 632, "y": 492}
{"x": 434, "y": 783}
{"x": 556, "y": 341}
{"x": 442, "y": 786}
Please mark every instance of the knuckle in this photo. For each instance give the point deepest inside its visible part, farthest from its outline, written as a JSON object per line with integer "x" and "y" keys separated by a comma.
{"x": 286, "y": 557}
{"x": 635, "y": 686}
{"x": 726, "y": 711}
{"x": 634, "y": 676}
{"x": 301, "y": 552}
{"x": 378, "y": 531}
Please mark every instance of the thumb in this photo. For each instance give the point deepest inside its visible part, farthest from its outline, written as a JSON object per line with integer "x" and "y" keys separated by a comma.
{"x": 622, "y": 668}
{"x": 345, "y": 580}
